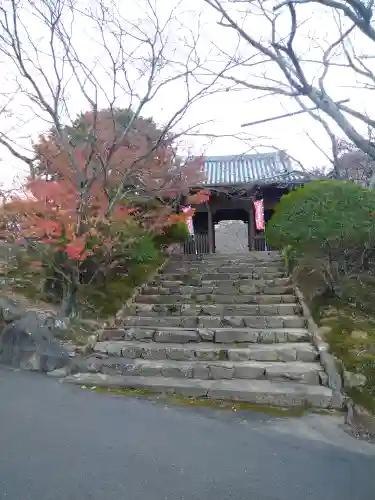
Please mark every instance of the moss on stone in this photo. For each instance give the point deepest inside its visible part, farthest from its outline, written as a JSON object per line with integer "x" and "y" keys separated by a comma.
{"x": 325, "y": 411}
{"x": 18, "y": 278}
{"x": 298, "y": 411}
{"x": 223, "y": 355}
{"x": 355, "y": 355}
{"x": 79, "y": 331}
{"x": 140, "y": 393}
{"x": 239, "y": 406}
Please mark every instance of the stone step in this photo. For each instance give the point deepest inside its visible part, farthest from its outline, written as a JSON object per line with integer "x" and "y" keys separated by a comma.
{"x": 253, "y": 256}
{"x": 229, "y": 269}
{"x": 299, "y": 372}
{"x": 208, "y": 298}
{"x": 226, "y": 262}
{"x": 228, "y": 289}
{"x": 221, "y": 335}
{"x": 228, "y": 266}
{"x": 208, "y": 351}
{"x": 212, "y": 309}
{"x": 216, "y": 321}
{"x": 247, "y": 287}
{"x": 199, "y": 281}
{"x": 220, "y": 276}
{"x": 263, "y": 392}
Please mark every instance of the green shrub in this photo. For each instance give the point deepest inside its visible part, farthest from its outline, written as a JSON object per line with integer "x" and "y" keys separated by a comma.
{"x": 105, "y": 278}
{"x": 177, "y": 233}
{"x": 324, "y": 216}
{"x": 289, "y": 257}
{"x": 144, "y": 249}
{"x": 327, "y": 229}
{"x": 106, "y": 299}
{"x": 359, "y": 291}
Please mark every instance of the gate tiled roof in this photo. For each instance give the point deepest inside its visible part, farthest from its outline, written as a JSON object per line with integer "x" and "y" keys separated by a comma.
{"x": 241, "y": 169}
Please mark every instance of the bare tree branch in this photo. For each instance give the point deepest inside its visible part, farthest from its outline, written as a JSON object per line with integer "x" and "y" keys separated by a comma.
{"x": 283, "y": 54}
{"x": 134, "y": 61}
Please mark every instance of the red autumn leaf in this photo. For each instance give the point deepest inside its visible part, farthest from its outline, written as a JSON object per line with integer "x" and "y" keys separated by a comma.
{"x": 75, "y": 250}
{"x": 121, "y": 211}
{"x": 50, "y": 227}
{"x": 71, "y": 190}
{"x": 199, "y": 198}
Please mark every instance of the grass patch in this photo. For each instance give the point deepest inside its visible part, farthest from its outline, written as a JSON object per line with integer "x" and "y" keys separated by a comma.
{"x": 17, "y": 276}
{"x": 353, "y": 311}
{"x": 203, "y": 402}
{"x": 94, "y": 301}
{"x": 107, "y": 300}
{"x": 325, "y": 411}
{"x": 240, "y": 406}
{"x": 140, "y": 393}
{"x": 79, "y": 331}
{"x": 355, "y": 352}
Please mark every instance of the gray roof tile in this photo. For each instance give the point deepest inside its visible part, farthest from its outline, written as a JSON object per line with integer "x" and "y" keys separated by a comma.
{"x": 265, "y": 167}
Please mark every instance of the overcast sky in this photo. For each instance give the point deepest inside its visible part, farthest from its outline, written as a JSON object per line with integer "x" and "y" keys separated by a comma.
{"x": 225, "y": 112}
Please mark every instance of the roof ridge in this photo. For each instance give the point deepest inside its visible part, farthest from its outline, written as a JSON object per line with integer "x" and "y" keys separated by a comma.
{"x": 250, "y": 168}
{"x": 275, "y": 154}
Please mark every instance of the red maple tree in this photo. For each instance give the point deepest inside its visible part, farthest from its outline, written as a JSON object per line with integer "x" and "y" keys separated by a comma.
{"x": 95, "y": 180}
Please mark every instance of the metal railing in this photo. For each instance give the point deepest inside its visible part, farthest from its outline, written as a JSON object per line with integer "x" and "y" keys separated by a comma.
{"x": 260, "y": 243}
{"x": 197, "y": 245}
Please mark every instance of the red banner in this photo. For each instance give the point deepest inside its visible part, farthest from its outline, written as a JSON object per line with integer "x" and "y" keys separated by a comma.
{"x": 189, "y": 221}
{"x": 259, "y": 215}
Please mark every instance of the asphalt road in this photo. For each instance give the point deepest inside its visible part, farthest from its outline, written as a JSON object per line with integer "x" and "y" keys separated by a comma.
{"x": 59, "y": 442}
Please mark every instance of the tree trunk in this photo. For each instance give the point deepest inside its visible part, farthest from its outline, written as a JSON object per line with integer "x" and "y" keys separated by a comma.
{"x": 70, "y": 287}
{"x": 69, "y": 300}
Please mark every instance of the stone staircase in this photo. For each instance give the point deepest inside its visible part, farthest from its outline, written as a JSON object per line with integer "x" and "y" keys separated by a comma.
{"x": 220, "y": 326}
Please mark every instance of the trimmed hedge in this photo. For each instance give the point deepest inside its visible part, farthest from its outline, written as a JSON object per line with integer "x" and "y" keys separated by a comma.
{"x": 324, "y": 215}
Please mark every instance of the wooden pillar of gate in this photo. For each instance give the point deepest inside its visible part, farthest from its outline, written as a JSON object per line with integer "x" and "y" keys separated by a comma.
{"x": 210, "y": 229}
{"x": 251, "y": 226}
